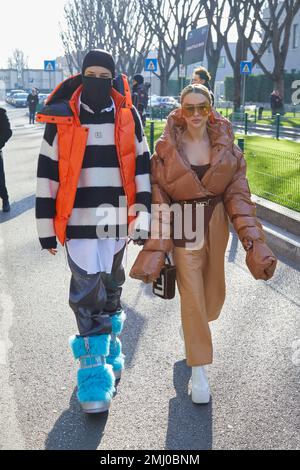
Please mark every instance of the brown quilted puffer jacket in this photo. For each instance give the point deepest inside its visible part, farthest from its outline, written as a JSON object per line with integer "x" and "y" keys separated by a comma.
{"x": 173, "y": 179}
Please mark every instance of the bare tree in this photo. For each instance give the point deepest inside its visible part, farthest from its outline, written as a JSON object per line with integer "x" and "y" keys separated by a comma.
{"x": 170, "y": 21}
{"x": 214, "y": 9}
{"x": 85, "y": 30}
{"x": 276, "y": 25}
{"x": 19, "y": 62}
{"x": 114, "y": 25}
{"x": 243, "y": 17}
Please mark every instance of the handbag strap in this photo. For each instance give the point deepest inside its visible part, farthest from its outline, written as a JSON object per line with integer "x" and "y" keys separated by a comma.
{"x": 168, "y": 259}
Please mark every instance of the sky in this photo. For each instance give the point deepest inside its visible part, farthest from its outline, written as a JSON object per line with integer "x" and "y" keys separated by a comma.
{"x": 33, "y": 27}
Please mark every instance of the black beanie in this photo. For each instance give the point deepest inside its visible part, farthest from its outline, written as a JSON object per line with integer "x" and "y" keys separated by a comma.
{"x": 139, "y": 79}
{"x": 101, "y": 58}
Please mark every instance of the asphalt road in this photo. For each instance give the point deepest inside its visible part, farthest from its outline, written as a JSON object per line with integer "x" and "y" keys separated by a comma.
{"x": 254, "y": 379}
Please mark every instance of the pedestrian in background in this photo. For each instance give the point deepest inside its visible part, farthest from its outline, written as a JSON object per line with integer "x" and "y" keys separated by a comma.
{"x": 140, "y": 96}
{"x": 276, "y": 102}
{"x": 201, "y": 76}
{"x": 32, "y": 102}
{"x": 5, "y": 135}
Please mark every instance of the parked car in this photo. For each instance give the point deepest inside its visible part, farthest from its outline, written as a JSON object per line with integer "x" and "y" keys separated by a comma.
{"x": 10, "y": 94}
{"x": 19, "y": 100}
{"x": 154, "y": 101}
{"x": 169, "y": 102}
{"x": 42, "y": 98}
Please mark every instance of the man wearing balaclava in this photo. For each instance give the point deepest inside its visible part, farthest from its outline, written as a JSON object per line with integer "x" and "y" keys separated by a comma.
{"x": 93, "y": 167}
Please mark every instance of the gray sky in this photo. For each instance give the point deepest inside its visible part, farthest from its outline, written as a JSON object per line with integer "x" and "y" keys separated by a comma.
{"x": 33, "y": 26}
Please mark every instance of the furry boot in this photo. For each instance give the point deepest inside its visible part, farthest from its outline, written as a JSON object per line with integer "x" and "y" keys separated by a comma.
{"x": 95, "y": 377}
{"x": 116, "y": 357}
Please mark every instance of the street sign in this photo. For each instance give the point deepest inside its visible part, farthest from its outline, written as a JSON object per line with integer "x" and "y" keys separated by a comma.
{"x": 151, "y": 65}
{"x": 246, "y": 67}
{"x": 181, "y": 71}
{"x": 195, "y": 45}
{"x": 49, "y": 65}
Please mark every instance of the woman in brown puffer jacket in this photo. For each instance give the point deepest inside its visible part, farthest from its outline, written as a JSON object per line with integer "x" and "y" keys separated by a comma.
{"x": 198, "y": 167}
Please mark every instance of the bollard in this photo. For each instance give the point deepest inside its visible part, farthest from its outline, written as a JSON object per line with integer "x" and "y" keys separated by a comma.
{"x": 246, "y": 123}
{"x": 277, "y": 126}
{"x": 152, "y": 137}
{"x": 241, "y": 144}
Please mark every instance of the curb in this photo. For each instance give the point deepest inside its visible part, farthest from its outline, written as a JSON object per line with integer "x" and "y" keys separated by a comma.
{"x": 281, "y": 227}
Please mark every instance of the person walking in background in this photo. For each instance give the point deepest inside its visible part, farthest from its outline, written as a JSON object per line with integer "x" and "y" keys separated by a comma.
{"x": 140, "y": 96}
{"x": 276, "y": 103}
{"x": 5, "y": 135}
{"x": 198, "y": 166}
{"x": 32, "y": 102}
{"x": 201, "y": 76}
{"x": 94, "y": 166}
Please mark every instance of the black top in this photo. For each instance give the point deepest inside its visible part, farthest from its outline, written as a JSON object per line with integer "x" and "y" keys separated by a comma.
{"x": 200, "y": 170}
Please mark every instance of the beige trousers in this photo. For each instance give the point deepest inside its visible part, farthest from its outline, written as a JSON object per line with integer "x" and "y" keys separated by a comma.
{"x": 201, "y": 284}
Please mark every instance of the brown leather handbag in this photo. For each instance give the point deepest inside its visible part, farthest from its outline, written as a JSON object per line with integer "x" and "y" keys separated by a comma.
{"x": 165, "y": 286}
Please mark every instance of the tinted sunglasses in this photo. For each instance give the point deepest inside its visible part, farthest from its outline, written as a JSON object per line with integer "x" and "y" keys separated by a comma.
{"x": 188, "y": 110}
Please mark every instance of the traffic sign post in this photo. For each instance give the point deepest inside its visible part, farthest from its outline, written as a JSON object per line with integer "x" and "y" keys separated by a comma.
{"x": 246, "y": 69}
{"x": 151, "y": 65}
{"x": 181, "y": 75}
{"x": 49, "y": 66}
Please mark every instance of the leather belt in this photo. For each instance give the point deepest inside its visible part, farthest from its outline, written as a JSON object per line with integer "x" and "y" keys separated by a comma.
{"x": 205, "y": 201}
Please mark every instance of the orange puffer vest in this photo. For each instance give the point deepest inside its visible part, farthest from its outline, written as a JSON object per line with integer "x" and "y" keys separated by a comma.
{"x": 62, "y": 109}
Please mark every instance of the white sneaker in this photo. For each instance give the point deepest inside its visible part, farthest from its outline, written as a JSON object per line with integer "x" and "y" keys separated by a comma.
{"x": 200, "y": 386}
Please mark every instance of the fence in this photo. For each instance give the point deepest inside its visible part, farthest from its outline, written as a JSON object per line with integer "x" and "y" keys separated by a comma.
{"x": 274, "y": 174}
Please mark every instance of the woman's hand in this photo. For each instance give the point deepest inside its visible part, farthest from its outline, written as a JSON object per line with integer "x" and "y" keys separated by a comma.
{"x": 52, "y": 251}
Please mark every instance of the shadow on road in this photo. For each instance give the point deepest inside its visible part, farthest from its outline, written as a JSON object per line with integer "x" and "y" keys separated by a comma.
{"x": 17, "y": 209}
{"x": 133, "y": 329}
{"x": 75, "y": 430}
{"x": 233, "y": 248}
{"x": 189, "y": 426}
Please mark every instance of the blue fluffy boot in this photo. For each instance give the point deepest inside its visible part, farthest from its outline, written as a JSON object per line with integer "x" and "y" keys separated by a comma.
{"x": 95, "y": 378}
{"x": 116, "y": 358}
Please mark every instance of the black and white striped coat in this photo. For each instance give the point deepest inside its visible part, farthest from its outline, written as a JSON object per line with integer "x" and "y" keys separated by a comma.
{"x": 99, "y": 183}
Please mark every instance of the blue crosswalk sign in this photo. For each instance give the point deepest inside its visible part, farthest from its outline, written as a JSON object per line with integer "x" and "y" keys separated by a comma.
{"x": 246, "y": 67}
{"x": 151, "y": 65}
{"x": 49, "y": 65}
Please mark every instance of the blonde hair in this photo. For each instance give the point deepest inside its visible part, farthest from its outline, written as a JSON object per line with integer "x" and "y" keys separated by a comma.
{"x": 196, "y": 88}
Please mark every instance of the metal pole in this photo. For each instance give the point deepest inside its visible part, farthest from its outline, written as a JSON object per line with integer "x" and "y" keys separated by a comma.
{"x": 277, "y": 126}
{"x": 151, "y": 108}
{"x": 246, "y": 123}
{"x": 241, "y": 144}
{"x": 244, "y": 91}
{"x": 152, "y": 137}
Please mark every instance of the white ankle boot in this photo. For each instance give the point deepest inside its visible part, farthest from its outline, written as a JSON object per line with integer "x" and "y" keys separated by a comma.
{"x": 200, "y": 386}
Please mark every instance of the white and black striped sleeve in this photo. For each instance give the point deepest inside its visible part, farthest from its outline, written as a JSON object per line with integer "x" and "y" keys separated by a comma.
{"x": 142, "y": 178}
{"x": 47, "y": 187}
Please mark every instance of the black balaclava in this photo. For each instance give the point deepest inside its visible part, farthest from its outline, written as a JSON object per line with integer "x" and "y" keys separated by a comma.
{"x": 97, "y": 91}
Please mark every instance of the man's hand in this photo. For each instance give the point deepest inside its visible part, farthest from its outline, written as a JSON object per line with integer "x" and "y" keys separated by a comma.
{"x": 52, "y": 251}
